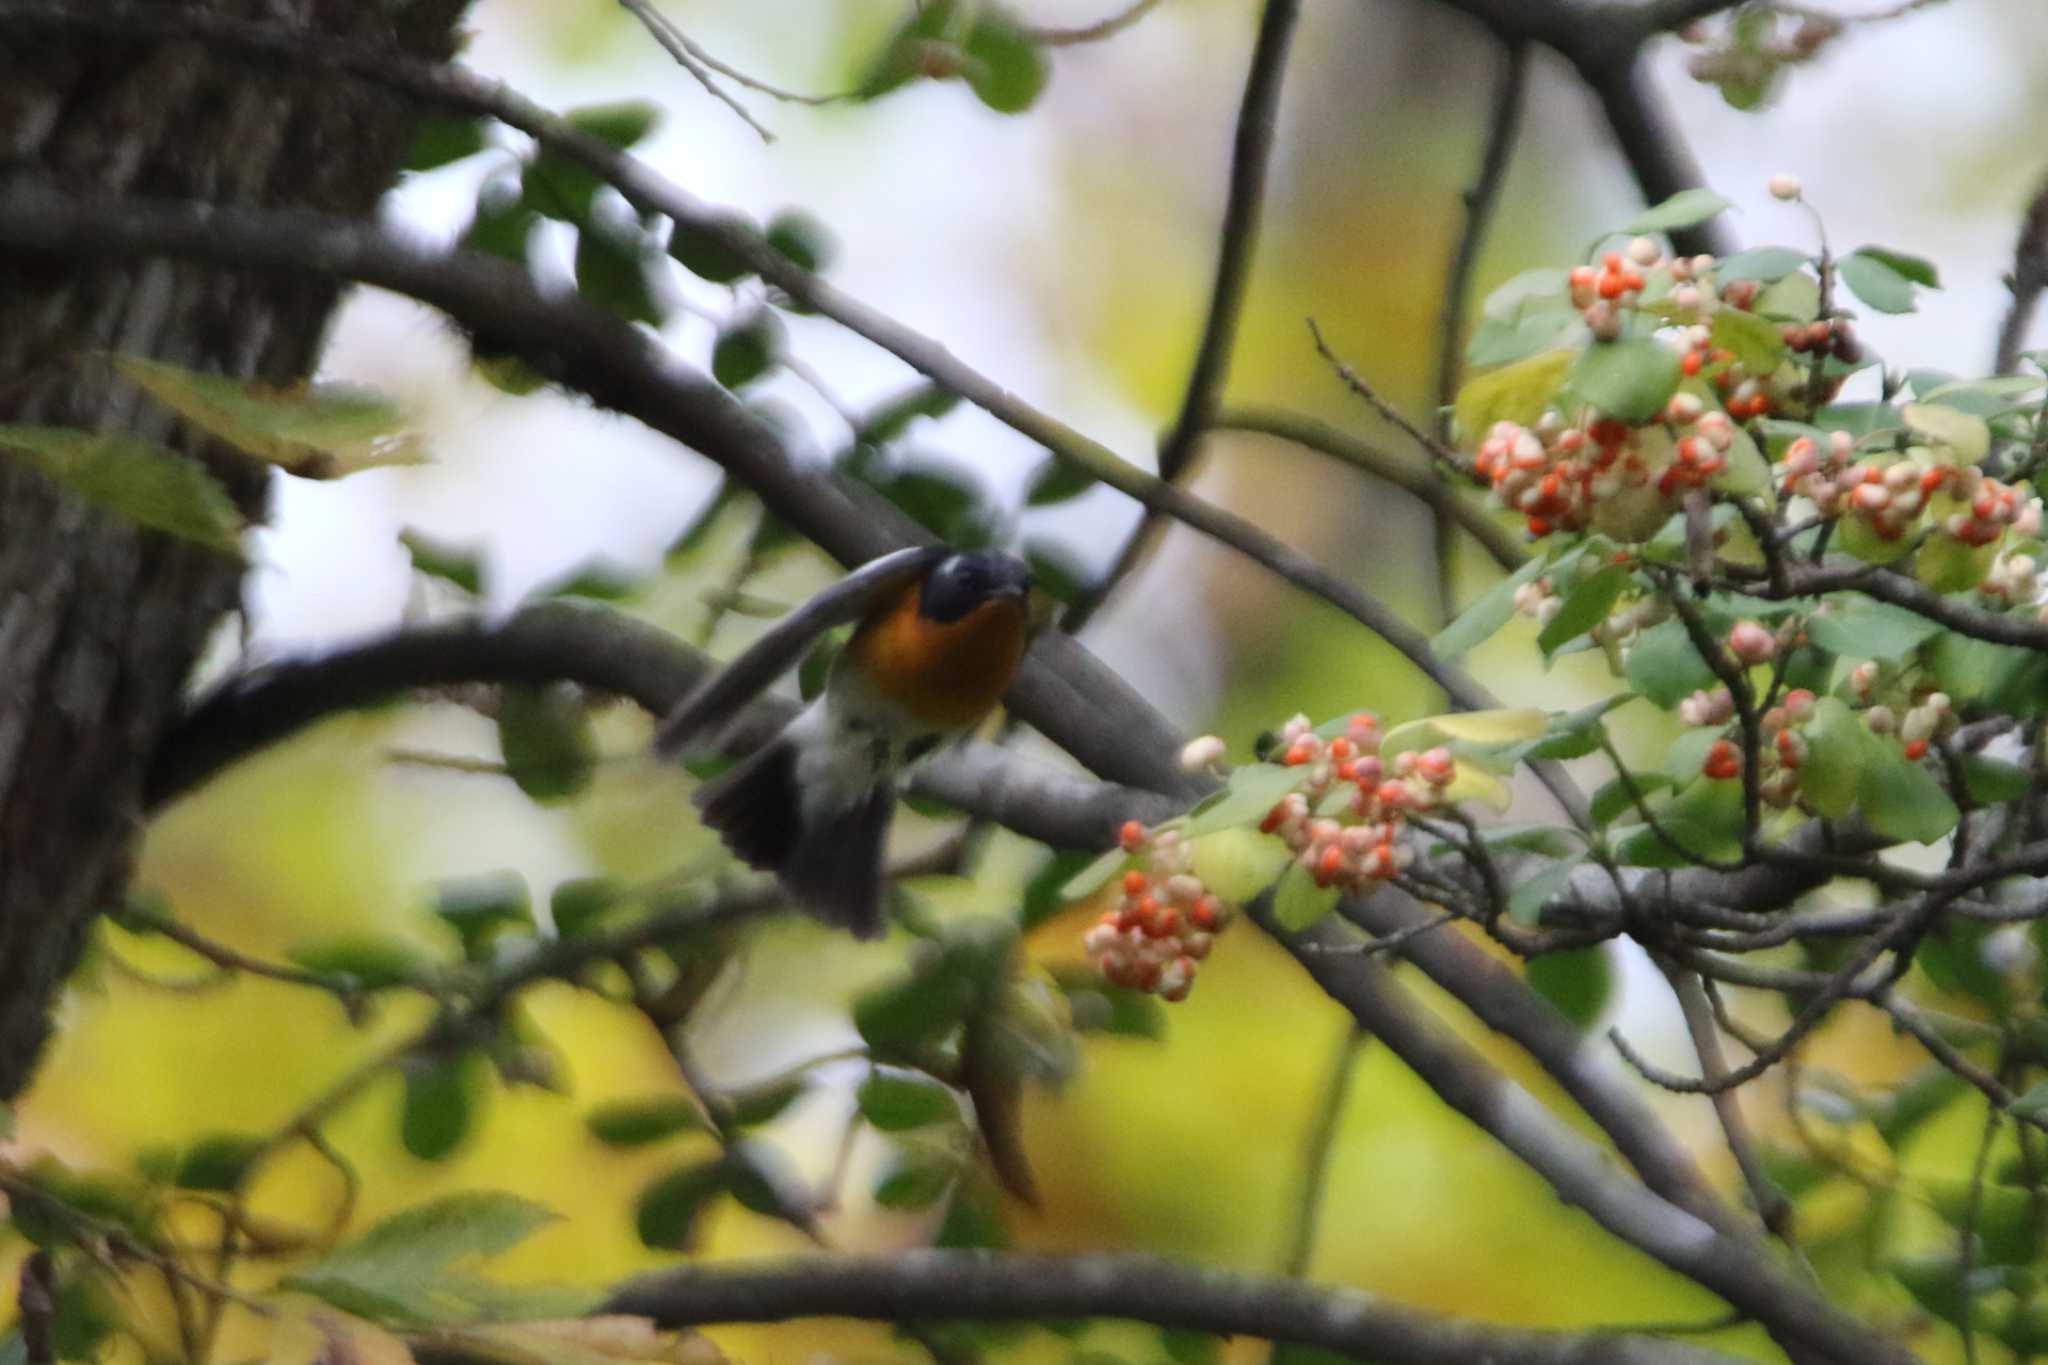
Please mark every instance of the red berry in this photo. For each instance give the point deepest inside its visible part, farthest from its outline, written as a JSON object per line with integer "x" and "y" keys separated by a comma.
{"x": 1135, "y": 883}
{"x": 1131, "y": 835}
{"x": 1916, "y": 748}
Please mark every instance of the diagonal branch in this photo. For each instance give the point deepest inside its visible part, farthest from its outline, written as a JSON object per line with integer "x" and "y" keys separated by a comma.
{"x": 1062, "y": 690}
{"x": 1734, "y": 1267}
{"x": 907, "y": 1286}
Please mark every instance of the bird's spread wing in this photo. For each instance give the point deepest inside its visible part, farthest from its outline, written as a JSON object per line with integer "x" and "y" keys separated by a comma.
{"x": 717, "y": 699}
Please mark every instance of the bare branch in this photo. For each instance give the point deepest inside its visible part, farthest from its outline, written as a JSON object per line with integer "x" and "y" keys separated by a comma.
{"x": 1251, "y": 154}
{"x": 2029, "y": 277}
{"x": 1479, "y": 200}
{"x": 1650, "y": 142}
{"x": 1095, "y": 32}
{"x": 1771, "y": 1205}
{"x": 1501, "y": 544}
{"x": 908, "y": 1286}
{"x": 1732, "y": 1266}
{"x": 690, "y": 58}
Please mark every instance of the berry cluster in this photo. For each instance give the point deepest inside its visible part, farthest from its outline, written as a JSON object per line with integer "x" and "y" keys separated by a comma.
{"x": 1331, "y": 851}
{"x": 1164, "y": 924}
{"x": 1888, "y": 494}
{"x": 1923, "y": 716}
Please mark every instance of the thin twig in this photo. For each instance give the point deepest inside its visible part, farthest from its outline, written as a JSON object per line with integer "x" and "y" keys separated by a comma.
{"x": 1503, "y": 546}
{"x": 1353, "y": 381}
{"x": 1095, "y": 32}
{"x": 1317, "y": 1151}
{"x": 1244, "y": 200}
{"x": 2029, "y": 277}
{"x": 689, "y": 59}
{"x": 1771, "y": 1205}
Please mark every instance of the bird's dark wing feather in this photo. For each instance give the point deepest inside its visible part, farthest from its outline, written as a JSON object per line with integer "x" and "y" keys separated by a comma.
{"x": 717, "y": 699}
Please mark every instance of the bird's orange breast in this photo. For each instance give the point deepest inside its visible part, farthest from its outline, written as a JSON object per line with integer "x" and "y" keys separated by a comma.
{"x": 946, "y": 674}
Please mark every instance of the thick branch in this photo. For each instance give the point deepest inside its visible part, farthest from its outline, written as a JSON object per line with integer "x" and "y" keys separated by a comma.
{"x": 1062, "y": 690}
{"x": 1651, "y": 143}
{"x": 910, "y": 1286}
{"x": 613, "y": 653}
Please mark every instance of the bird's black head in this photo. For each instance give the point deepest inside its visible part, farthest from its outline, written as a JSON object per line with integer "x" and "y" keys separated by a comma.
{"x": 959, "y": 583}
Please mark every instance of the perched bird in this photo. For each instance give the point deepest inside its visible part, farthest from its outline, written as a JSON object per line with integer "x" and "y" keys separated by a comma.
{"x": 940, "y": 633}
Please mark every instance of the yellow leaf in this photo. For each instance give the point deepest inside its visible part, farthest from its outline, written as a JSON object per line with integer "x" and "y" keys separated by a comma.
{"x": 1966, "y": 435}
{"x": 316, "y": 431}
{"x": 1513, "y": 393}
{"x": 1502, "y": 726}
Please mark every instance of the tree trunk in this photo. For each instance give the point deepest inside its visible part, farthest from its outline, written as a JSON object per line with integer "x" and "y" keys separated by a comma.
{"x": 100, "y": 622}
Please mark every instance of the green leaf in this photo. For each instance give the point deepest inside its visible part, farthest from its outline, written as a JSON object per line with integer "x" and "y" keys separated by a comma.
{"x": 1546, "y": 289}
{"x": 369, "y": 961}
{"x": 1704, "y": 820}
{"x": 574, "y": 906}
{"x": 1795, "y": 298}
{"x": 702, "y": 254}
{"x": 477, "y": 908}
{"x": 622, "y": 123}
{"x": 612, "y": 274}
{"x": 438, "y": 140}
{"x": 1055, "y": 570}
{"x": 640, "y": 1121}
{"x": 1056, "y": 481}
{"x": 901, "y": 1016}
{"x": 1664, "y": 667}
{"x": 747, "y": 348}
{"x": 1876, "y": 282}
{"x": 1578, "y": 982}
{"x": 997, "y": 57}
{"x": 315, "y": 431}
{"x": 217, "y": 1162}
{"x": 1837, "y": 744}
{"x": 1864, "y": 628}
{"x": 669, "y": 1208}
{"x": 915, "y": 1184}
{"x": 1497, "y": 341}
{"x": 503, "y": 222}
{"x": 2033, "y": 1104}
{"x": 461, "y": 565}
{"x": 1755, "y": 341}
{"x": 894, "y": 416}
{"x": 1687, "y": 208}
{"x": 805, "y": 241}
{"x": 1098, "y": 1007}
{"x": 400, "y": 1271}
{"x": 944, "y": 499}
{"x": 1902, "y": 800}
{"x": 1614, "y": 799}
{"x": 440, "y": 1104}
{"x": 1584, "y": 607}
{"x": 1966, "y": 434}
{"x": 894, "y": 1102}
{"x": 1251, "y": 791}
{"x": 1515, "y": 393}
{"x": 1993, "y": 782}
{"x": 1089, "y": 879}
{"x": 1764, "y": 263}
{"x": 1630, "y": 379}
{"x": 1490, "y": 611}
{"x": 138, "y": 481}
{"x": 1529, "y": 896}
{"x": 547, "y": 741}
{"x": 1298, "y": 902}
{"x": 759, "y": 1104}
{"x": 1918, "y": 269}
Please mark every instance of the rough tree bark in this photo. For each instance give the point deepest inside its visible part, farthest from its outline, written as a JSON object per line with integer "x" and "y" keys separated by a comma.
{"x": 99, "y": 622}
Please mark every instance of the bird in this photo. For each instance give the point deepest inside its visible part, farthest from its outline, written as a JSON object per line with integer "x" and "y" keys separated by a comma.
{"x": 939, "y": 634}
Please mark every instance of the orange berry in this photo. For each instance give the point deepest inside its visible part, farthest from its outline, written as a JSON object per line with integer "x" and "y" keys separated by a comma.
{"x": 1135, "y": 883}
{"x": 1130, "y": 835}
{"x": 1296, "y": 756}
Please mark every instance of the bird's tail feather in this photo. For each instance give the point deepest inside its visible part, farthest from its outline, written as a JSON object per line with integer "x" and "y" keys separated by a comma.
{"x": 830, "y": 859}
